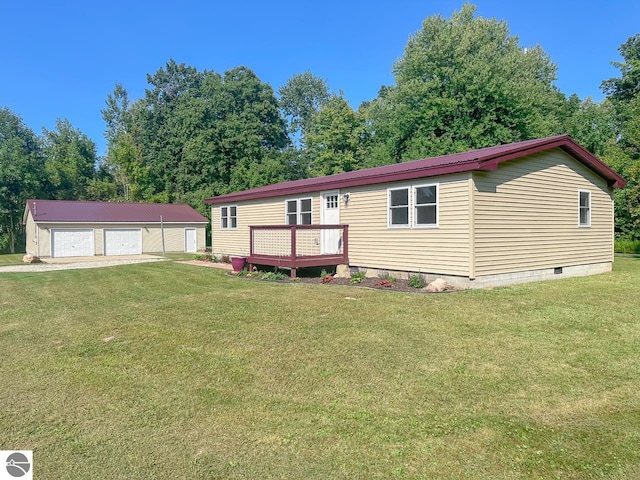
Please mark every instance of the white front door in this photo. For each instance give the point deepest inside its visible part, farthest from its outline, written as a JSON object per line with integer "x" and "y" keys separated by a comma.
{"x": 123, "y": 241}
{"x": 190, "y": 240}
{"x": 330, "y": 215}
{"x": 71, "y": 242}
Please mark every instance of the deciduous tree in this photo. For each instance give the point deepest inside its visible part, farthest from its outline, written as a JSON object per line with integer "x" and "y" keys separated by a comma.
{"x": 195, "y": 134}
{"x": 590, "y": 123}
{"x": 464, "y": 83}
{"x": 21, "y": 176}
{"x": 336, "y": 139}
{"x": 624, "y": 94}
{"x": 300, "y": 99}
{"x": 70, "y": 160}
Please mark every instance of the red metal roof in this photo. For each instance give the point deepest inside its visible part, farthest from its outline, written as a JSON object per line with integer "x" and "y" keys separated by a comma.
{"x": 108, "y": 212}
{"x": 482, "y": 159}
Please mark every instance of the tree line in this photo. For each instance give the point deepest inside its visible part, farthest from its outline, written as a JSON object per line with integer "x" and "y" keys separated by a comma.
{"x": 463, "y": 82}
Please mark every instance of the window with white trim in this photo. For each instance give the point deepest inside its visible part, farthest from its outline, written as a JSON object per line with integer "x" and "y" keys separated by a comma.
{"x": 298, "y": 211}
{"x": 398, "y": 199}
{"x": 425, "y": 210}
{"x": 305, "y": 211}
{"x": 292, "y": 212}
{"x": 228, "y": 217}
{"x": 584, "y": 209}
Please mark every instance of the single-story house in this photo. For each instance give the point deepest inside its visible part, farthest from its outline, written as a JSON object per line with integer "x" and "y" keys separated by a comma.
{"x": 512, "y": 213}
{"x": 61, "y": 228}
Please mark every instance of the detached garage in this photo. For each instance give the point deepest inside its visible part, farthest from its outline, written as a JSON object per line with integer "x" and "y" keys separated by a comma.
{"x": 60, "y": 228}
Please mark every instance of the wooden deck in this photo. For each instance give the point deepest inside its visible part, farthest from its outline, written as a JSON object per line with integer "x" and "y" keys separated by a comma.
{"x": 298, "y": 246}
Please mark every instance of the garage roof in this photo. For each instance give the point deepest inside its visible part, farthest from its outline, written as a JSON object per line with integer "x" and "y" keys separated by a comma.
{"x": 482, "y": 159}
{"x": 49, "y": 211}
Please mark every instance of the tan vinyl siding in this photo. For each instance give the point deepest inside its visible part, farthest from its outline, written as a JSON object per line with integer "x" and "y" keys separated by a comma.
{"x": 44, "y": 240}
{"x": 269, "y": 211}
{"x": 371, "y": 243}
{"x": 526, "y": 215}
{"x": 174, "y": 236}
{"x": 440, "y": 250}
{"x": 98, "y": 238}
{"x": 31, "y": 245}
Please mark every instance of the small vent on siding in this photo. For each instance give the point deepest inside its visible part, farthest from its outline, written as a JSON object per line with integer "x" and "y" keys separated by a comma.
{"x": 557, "y": 270}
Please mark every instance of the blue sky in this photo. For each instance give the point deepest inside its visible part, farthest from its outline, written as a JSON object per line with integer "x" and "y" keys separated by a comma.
{"x": 61, "y": 59}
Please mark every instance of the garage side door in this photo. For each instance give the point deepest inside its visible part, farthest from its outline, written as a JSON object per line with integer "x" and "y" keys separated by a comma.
{"x": 71, "y": 242}
{"x": 121, "y": 241}
{"x": 190, "y": 240}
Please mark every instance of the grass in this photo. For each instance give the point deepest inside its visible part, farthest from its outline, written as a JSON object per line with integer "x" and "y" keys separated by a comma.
{"x": 627, "y": 246}
{"x": 177, "y": 256}
{"x": 163, "y": 370}
{"x": 11, "y": 259}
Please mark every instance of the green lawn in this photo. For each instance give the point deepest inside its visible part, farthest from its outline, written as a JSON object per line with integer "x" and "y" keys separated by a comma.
{"x": 11, "y": 259}
{"x": 163, "y": 370}
{"x": 178, "y": 256}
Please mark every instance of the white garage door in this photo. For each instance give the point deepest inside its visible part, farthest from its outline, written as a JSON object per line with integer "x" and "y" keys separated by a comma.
{"x": 120, "y": 241}
{"x": 71, "y": 242}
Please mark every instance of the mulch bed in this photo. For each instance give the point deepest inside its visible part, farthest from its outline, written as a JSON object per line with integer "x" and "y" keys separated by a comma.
{"x": 398, "y": 285}
{"x": 312, "y": 276}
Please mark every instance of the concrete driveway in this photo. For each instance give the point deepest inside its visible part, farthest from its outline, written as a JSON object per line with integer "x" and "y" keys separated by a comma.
{"x": 71, "y": 263}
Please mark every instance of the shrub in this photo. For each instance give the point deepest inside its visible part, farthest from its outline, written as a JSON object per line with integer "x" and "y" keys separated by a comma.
{"x": 627, "y": 246}
{"x": 327, "y": 279}
{"x": 385, "y": 283}
{"x": 225, "y": 259}
{"x": 359, "y": 276}
{"x": 274, "y": 276}
{"x": 416, "y": 281}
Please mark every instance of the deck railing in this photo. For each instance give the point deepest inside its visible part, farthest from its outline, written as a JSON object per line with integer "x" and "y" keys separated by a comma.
{"x": 298, "y": 246}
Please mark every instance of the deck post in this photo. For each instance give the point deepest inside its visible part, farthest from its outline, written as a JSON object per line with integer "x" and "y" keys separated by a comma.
{"x": 251, "y": 241}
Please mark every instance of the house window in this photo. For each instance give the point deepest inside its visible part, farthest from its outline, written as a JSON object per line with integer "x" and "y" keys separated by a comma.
{"x": 305, "y": 211}
{"x": 425, "y": 205}
{"x": 398, "y": 207}
{"x": 229, "y": 217}
{"x": 292, "y": 212}
{"x": 298, "y": 211}
{"x": 584, "y": 214}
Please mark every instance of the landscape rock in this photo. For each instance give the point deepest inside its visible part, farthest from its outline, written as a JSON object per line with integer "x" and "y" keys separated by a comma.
{"x": 343, "y": 271}
{"x": 28, "y": 258}
{"x": 438, "y": 285}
